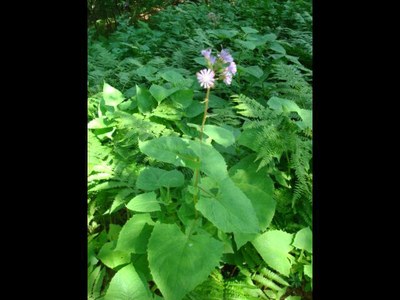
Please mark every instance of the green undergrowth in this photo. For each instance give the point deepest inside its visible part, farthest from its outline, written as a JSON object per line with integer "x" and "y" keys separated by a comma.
{"x": 249, "y": 233}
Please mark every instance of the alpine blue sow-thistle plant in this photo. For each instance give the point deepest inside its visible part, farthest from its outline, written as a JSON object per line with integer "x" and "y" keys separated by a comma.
{"x": 225, "y": 68}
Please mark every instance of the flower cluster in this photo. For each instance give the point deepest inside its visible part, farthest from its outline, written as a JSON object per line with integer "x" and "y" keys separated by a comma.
{"x": 222, "y": 65}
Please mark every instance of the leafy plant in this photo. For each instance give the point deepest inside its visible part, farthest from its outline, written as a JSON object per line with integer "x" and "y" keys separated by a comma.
{"x": 197, "y": 189}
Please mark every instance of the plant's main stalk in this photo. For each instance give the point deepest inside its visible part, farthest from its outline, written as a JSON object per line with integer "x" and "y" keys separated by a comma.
{"x": 225, "y": 68}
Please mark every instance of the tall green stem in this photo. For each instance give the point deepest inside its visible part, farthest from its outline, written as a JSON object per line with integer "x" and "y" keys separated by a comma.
{"x": 197, "y": 172}
{"x": 204, "y": 115}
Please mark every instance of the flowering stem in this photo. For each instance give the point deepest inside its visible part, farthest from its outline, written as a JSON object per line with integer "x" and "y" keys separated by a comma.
{"x": 197, "y": 172}
{"x": 205, "y": 115}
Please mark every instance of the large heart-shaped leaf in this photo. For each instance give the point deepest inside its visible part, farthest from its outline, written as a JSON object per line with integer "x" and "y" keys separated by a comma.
{"x": 249, "y": 30}
{"x": 274, "y": 247}
{"x": 277, "y": 47}
{"x": 146, "y": 202}
{"x": 135, "y": 234}
{"x": 230, "y": 210}
{"x": 151, "y": 179}
{"x": 112, "y": 96}
{"x": 145, "y": 100}
{"x": 186, "y": 153}
{"x": 160, "y": 93}
{"x": 178, "y": 263}
{"x": 127, "y": 284}
{"x": 111, "y": 257}
{"x": 182, "y": 98}
{"x": 220, "y": 135}
{"x": 255, "y": 71}
{"x": 259, "y": 188}
{"x": 303, "y": 239}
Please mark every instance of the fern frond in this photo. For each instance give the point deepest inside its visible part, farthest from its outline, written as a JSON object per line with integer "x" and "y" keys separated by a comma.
{"x": 299, "y": 161}
{"x": 225, "y": 116}
{"x": 292, "y": 85}
{"x": 249, "y": 107}
{"x": 273, "y": 276}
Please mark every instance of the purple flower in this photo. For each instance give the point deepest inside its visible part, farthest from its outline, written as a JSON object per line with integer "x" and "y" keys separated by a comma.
{"x": 206, "y": 53}
{"x": 225, "y": 56}
{"x": 206, "y": 78}
{"x": 227, "y": 77}
{"x": 232, "y": 68}
{"x": 212, "y": 59}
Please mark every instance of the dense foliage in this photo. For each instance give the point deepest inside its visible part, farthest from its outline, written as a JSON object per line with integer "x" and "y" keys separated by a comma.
{"x": 243, "y": 229}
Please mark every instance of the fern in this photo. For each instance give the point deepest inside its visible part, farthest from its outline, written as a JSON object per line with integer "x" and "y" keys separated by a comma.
{"x": 218, "y": 288}
{"x": 292, "y": 85}
{"x": 249, "y": 107}
{"x": 279, "y": 143}
{"x": 97, "y": 152}
{"x": 273, "y": 276}
{"x": 300, "y": 163}
{"x": 225, "y": 116}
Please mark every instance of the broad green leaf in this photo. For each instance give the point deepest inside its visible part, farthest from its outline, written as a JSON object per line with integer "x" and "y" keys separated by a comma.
{"x": 220, "y": 135}
{"x": 256, "y": 39}
{"x": 183, "y": 98}
{"x": 102, "y": 122}
{"x": 246, "y": 44}
{"x": 308, "y": 270}
{"x": 144, "y": 100}
{"x": 195, "y": 109}
{"x": 258, "y": 178}
{"x": 178, "y": 263}
{"x": 113, "y": 232}
{"x": 146, "y": 71}
{"x": 186, "y": 153}
{"x": 247, "y": 138}
{"x": 280, "y": 105}
{"x": 293, "y": 298}
{"x": 249, "y": 30}
{"x": 227, "y": 241}
{"x": 127, "y": 284}
{"x": 303, "y": 239}
{"x": 112, "y": 96}
{"x": 212, "y": 162}
{"x": 151, "y": 179}
{"x": 160, "y": 93}
{"x": 259, "y": 188}
{"x": 173, "y": 150}
{"x": 135, "y": 234}
{"x": 173, "y": 77}
{"x": 113, "y": 258}
{"x": 270, "y": 37}
{"x": 223, "y": 33}
{"x": 274, "y": 247}
{"x": 230, "y": 210}
{"x": 306, "y": 116}
{"x": 255, "y": 71}
{"x": 146, "y": 202}
{"x": 277, "y": 47}
{"x": 216, "y": 102}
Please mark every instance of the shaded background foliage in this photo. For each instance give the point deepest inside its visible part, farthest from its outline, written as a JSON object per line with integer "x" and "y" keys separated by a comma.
{"x": 267, "y": 110}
